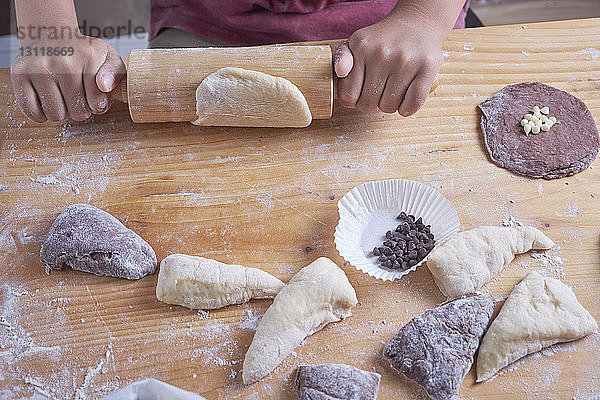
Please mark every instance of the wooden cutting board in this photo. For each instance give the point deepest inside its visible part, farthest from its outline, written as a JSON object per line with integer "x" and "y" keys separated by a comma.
{"x": 267, "y": 198}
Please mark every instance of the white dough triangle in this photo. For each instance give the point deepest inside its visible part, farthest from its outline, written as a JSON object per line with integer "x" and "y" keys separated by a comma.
{"x": 465, "y": 262}
{"x": 539, "y": 312}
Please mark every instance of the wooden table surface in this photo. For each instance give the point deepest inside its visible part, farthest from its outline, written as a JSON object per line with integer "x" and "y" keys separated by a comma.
{"x": 267, "y": 198}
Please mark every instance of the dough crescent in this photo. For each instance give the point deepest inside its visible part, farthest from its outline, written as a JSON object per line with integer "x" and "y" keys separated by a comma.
{"x": 317, "y": 295}
{"x": 240, "y": 97}
{"x": 202, "y": 283}
{"x": 539, "y": 312}
{"x": 464, "y": 263}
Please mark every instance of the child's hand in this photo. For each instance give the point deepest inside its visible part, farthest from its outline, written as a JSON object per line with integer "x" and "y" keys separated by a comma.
{"x": 390, "y": 65}
{"x": 58, "y": 87}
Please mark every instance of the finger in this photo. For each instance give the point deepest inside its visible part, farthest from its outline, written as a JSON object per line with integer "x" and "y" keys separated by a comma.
{"x": 111, "y": 72}
{"x": 50, "y": 97}
{"x": 372, "y": 89}
{"x": 97, "y": 100}
{"x": 71, "y": 86}
{"x": 343, "y": 61}
{"x": 27, "y": 100}
{"x": 394, "y": 92}
{"x": 349, "y": 88}
{"x": 416, "y": 94}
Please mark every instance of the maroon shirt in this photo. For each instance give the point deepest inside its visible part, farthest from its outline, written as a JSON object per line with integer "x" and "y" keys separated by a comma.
{"x": 253, "y": 22}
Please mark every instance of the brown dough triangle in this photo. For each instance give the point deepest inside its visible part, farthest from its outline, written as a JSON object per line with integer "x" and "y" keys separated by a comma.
{"x": 436, "y": 349}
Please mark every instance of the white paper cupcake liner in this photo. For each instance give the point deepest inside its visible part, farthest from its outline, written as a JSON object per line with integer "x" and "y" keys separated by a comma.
{"x": 369, "y": 210}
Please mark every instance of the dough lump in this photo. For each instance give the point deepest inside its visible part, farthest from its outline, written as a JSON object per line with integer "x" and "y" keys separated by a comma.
{"x": 89, "y": 239}
{"x": 436, "y": 349}
{"x": 202, "y": 283}
{"x": 240, "y": 97}
{"x": 317, "y": 295}
{"x": 539, "y": 312}
{"x": 566, "y": 149}
{"x": 336, "y": 381}
{"x": 465, "y": 262}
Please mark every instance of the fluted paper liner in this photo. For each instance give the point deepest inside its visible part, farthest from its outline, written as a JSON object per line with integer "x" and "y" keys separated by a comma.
{"x": 369, "y": 210}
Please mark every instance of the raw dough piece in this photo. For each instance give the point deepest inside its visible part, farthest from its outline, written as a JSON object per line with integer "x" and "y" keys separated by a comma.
{"x": 539, "y": 312}
{"x": 241, "y": 97}
{"x": 566, "y": 149}
{"x": 436, "y": 349}
{"x": 336, "y": 381}
{"x": 465, "y": 262}
{"x": 151, "y": 389}
{"x": 202, "y": 283}
{"x": 88, "y": 239}
{"x": 317, "y": 295}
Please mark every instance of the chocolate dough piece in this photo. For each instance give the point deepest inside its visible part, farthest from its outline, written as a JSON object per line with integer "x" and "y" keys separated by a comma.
{"x": 88, "y": 239}
{"x": 569, "y": 147}
{"x": 436, "y": 349}
{"x": 336, "y": 381}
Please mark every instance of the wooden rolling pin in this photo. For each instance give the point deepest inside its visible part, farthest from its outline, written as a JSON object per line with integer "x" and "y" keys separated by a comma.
{"x": 161, "y": 83}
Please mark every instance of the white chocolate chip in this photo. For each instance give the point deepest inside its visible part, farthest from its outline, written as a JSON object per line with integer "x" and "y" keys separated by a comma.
{"x": 537, "y": 121}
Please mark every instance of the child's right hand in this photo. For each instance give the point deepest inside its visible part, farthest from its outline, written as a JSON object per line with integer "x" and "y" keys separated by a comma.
{"x": 59, "y": 87}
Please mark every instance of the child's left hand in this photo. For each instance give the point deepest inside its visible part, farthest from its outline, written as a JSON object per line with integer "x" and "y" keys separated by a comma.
{"x": 390, "y": 65}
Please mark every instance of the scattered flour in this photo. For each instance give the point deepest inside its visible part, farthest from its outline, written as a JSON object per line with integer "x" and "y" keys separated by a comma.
{"x": 551, "y": 262}
{"x": 511, "y": 221}
{"x": 46, "y": 180}
{"x": 592, "y": 52}
{"x": 92, "y": 372}
{"x": 572, "y": 211}
{"x": 251, "y": 321}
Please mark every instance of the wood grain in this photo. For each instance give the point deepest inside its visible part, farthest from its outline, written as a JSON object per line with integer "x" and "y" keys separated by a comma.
{"x": 267, "y": 198}
{"x": 524, "y": 11}
{"x": 161, "y": 83}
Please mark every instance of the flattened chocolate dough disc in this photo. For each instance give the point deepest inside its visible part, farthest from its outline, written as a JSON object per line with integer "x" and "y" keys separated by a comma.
{"x": 567, "y": 148}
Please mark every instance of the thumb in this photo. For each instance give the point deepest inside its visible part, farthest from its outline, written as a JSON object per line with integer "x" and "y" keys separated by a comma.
{"x": 111, "y": 72}
{"x": 343, "y": 61}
